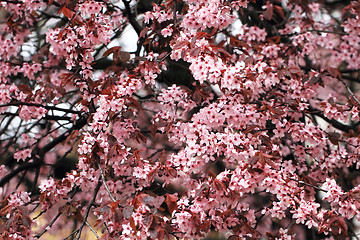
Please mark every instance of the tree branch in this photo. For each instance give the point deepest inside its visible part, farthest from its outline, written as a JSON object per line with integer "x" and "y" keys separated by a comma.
{"x": 39, "y": 105}
{"x": 131, "y": 17}
{"x": 88, "y": 208}
{"x": 333, "y": 122}
{"x": 79, "y": 124}
{"x": 104, "y": 181}
{"x": 349, "y": 90}
{"x": 46, "y": 117}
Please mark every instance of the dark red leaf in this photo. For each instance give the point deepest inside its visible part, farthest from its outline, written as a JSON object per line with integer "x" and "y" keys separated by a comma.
{"x": 113, "y": 206}
{"x": 162, "y": 55}
{"x": 266, "y": 140}
{"x": 111, "y": 50}
{"x": 135, "y": 103}
{"x": 294, "y": 69}
{"x": 195, "y": 52}
{"x": 334, "y": 138}
{"x": 197, "y": 97}
{"x": 234, "y": 237}
{"x": 249, "y": 129}
{"x": 280, "y": 11}
{"x": 143, "y": 32}
{"x": 72, "y": 135}
{"x": 171, "y": 171}
{"x": 249, "y": 61}
{"x": 132, "y": 223}
{"x": 331, "y": 101}
{"x": 25, "y": 88}
{"x": 223, "y": 52}
{"x": 122, "y": 57}
{"x": 171, "y": 202}
{"x": 127, "y": 211}
{"x": 334, "y": 72}
{"x": 277, "y": 111}
{"x": 268, "y": 14}
{"x": 180, "y": 44}
{"x": 67, "y": 12}
{"x": 219, "y": 185}
{"x": 112, "y": 140}
{"x": 314, "y": 79}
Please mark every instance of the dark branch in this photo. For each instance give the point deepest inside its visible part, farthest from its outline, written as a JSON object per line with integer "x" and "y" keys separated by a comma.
{"x": 39, "y": 105}
{"x": 38, "y": 162}
{"x": 47, "y": 117}
{"x": 131, "y": 17}
{"x": 89, "y": 207}
{"x": 333, "y": 122}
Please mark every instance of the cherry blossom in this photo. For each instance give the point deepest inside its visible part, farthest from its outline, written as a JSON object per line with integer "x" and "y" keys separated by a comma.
{"x": 228, "y": 119}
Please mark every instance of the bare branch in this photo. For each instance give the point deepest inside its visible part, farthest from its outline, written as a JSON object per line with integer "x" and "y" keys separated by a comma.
{"x": 93, "y": 230}
{"x": 349, "y": 90}
{"x": 131, "y": 17}
{"x": 40, "y": 105}
{"x": 79, "y": 124}
{"x": 104, "y": 181}
{"x": 48, "y": 226}
{"x": 88, "y": 209}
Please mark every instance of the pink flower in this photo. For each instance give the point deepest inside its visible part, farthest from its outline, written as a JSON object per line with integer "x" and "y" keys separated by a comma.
{"x": 22, "y": 154}
{"x": 166, "y": 32}
{"x": 29, "y": 112}
{"x": 19, "y": 198}
{"x": 334, "y": 192}
{"x": 47, "y": 185}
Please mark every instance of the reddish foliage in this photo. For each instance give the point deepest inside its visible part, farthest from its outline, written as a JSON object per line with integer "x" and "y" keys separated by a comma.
{"x": 236, "y": 119}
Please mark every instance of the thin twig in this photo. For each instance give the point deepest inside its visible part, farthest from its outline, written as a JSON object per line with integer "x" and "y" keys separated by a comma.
{"x": 93, "y": 230}
{"x": 104, "y": 181}
{"x": 29, "y": 165}
{"x": 309, "y": 185}
{"x": 88, "y": 209}
{"x": 56, "y": 217}
{"x": 349, "y": 90}
{"x": 49, "y": 226}
{"x": 131, "y": 17}
{"x": 43, "y": 106}
{"x": 13, "y": 2}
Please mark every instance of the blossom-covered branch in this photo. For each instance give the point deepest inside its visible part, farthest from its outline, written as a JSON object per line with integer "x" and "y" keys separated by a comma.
{"x": 230, "y": 118}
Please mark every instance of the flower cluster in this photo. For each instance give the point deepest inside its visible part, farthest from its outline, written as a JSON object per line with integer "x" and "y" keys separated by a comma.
{"x": 22, "y": 154}
{"x": 68, "y": 41}
{"x": 30, "y": 112}
{"x": 206, "y": 15}
{"x": 238, "y": 119}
